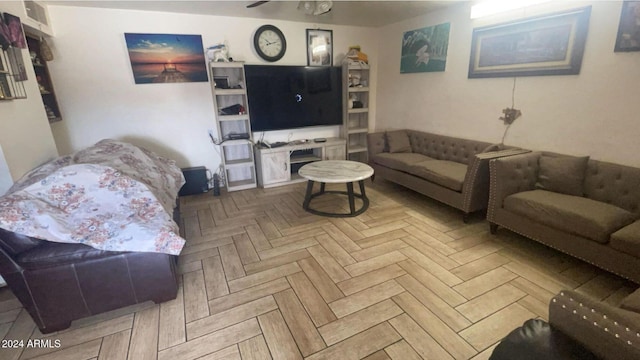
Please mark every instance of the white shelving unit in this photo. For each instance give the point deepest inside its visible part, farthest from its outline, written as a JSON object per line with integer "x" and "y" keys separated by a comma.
{"x": 279, "y": 166}
{"x": 356, "y": 81}
{"x": 237, "y": 154}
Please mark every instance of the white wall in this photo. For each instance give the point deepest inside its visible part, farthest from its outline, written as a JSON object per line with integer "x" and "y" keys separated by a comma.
{"x": 98, "y": 97}
{"x": 594, "y": 113}
{"x": 25, "y": 135}
{"x": 5, "y": 175}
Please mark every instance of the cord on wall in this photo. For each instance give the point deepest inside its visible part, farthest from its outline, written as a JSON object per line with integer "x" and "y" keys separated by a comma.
{"x": 510, "y": 114}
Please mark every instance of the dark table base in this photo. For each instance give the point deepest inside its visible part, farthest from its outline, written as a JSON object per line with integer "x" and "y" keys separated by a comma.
{"x": 352, "y": 207}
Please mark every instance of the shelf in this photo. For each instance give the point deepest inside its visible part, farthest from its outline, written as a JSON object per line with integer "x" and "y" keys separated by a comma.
{"x": 43, "y": 76}
{"x": 357, "y": 130}
{"x": 222, "y": 64}
{"x": 356, "y": 122}
{"x": 241, "y": 185}
{"x": 357, "y": 149}
{"x": 237, "y": 155}
{"x": 305, "y": 158}
{"x": 295, "y": 178}
{"x": 236, "y": 142}
{"x": 230, "y": 91}
{"x": 358, "y": 66}
{"x": 359, "y": 89}
{"x": 233, "y": 117}
{"x": 238, "y": 163}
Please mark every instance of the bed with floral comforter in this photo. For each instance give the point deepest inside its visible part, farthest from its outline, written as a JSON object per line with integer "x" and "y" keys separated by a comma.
{"x": 112, "y": 196}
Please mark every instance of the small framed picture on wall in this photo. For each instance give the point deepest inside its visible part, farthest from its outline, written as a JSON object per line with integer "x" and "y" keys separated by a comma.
{"x": 319, "y": 47}
{"x": 628, "y": 38}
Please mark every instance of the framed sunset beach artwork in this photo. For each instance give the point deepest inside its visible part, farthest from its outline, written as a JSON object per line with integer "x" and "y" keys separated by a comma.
{"x": 166, "y": 58}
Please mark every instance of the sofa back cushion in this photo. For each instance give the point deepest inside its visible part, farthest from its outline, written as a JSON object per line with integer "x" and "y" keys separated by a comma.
{"x": 613, "y": 184}
{"x": 398, "y": 141}
{"x": 562, "y": 174}
{"x": 15, "y": 244}
{"x": 442, "y": 147}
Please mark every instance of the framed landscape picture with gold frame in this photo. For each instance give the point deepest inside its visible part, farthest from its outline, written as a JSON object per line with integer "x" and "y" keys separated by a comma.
{"x": 545, "y": 45}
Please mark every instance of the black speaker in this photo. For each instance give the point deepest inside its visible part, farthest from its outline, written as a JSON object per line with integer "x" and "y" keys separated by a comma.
{"x": 196, "y": 181}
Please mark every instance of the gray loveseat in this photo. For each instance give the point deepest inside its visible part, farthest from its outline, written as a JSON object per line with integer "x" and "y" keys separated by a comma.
{"x": 586, "y": 208}
{"x": 451, "y": 170}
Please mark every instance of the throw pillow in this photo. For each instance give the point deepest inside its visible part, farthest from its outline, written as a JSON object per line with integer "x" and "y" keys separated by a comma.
{"x": 398, "y": 141}
{"x": 562, "y": 174}
{"x": 632, "y": 302}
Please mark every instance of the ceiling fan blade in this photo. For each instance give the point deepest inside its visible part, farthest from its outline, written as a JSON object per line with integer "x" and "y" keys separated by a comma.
{"x": 257, "y": 3}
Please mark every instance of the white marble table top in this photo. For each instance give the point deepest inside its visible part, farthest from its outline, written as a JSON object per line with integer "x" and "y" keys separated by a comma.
{"x": 336, "y": 171}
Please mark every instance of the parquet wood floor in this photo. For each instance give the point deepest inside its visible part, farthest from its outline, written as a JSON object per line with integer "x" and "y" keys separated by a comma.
{"x": 262, "y": 279}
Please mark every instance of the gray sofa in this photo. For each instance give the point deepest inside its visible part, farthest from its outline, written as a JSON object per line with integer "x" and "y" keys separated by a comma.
{"x": 586, "y": 208}
{"x": 451, "y": 170}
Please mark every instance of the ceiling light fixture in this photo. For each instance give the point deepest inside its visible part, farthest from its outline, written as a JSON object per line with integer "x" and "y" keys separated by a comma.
{"x": 315, "y": 7}
{"x": 491, "y": 7}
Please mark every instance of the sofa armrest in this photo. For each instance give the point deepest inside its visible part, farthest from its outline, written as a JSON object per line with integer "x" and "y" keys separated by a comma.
{"x": 475, "y": 189}
{"x": 376, "y": 143}
{"x": 607, "y": 331}
{"x": 510, "y": 175}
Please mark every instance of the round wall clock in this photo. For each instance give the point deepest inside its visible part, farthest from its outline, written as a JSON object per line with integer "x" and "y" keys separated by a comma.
{"x": 269, "y": 43}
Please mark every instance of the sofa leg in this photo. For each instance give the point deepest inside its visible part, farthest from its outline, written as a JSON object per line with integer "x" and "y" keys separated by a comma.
{"x": 465, "y": 218}
{"x": 493, "y": 228}
{"x": 56, "y": 327}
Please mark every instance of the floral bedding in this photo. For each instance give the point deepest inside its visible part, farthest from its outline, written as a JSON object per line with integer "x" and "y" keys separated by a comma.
{"x": 113, "y": 196}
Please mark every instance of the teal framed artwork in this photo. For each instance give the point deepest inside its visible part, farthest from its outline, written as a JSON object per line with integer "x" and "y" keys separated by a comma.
{"x": 425, "y": 50}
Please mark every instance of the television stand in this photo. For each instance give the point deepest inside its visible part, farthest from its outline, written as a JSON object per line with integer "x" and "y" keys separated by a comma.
{"x": 279, "y": 166}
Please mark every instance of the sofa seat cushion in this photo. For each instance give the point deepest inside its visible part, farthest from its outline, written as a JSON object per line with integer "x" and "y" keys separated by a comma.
{"x": 399, "y": 161}
{"x": 627, "y": 239}
{"x": 55, "y": 254}
{"x": 576, "y": 215}
{"x": 449, "y": 174}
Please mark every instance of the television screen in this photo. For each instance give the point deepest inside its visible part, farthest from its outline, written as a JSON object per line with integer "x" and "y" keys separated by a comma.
{"x": 286, "y": 97}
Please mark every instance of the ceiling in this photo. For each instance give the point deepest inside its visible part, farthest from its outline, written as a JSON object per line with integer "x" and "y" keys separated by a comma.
{"x": 355, "y": 13}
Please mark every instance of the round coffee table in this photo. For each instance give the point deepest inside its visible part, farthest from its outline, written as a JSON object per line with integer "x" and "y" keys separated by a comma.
{"x": 336, "y": 171}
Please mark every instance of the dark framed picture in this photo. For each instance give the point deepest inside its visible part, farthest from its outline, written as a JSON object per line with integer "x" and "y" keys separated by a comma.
{"x": 545, "y": 45}
{"x": 13, "y": 31}
{"x": 319, "y": 47}
{"x": 628, "y": 38}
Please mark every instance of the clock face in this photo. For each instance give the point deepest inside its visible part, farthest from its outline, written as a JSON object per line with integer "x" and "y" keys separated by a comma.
{"x": 270, "y": 43}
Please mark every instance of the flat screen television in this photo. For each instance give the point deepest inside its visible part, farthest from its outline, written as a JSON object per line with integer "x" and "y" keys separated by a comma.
{"x": 287, "y": 97}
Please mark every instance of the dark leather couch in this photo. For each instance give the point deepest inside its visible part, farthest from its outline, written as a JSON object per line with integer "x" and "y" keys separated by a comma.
{"x": 579, "y": 328}
{"x": 58, "y": 283}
